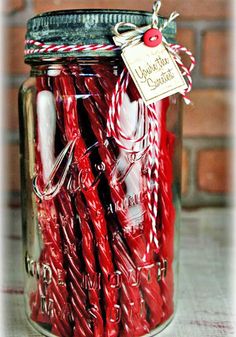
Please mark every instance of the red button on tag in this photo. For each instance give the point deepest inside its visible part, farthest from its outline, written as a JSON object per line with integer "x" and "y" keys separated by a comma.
{"x": 152, "y": 37}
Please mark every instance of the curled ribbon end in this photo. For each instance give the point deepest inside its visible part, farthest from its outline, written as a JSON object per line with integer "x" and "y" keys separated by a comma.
{"x": 187, "y": 101}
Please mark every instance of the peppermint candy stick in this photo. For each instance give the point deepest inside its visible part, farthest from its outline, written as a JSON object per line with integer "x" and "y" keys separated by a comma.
{"x": 94, "y": 279}
{"x": 132, "y": 303}
{"x": 72, "y": 131}
{"x": 56, "y": 292}
{"x": 148, "y": 273}
{"x": 106, "y": 80}
{"x": 167, "y": 217}
{"x": 87, "y": 237}
{"x": 65, "y": 216}
{"x": 166, "y": 212}
{"x": 130, "y": 295}
{"x": 137, "y": 244}
{"x": 77, "y": 295}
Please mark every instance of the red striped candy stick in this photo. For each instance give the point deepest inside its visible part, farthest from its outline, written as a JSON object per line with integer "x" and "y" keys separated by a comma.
{"x": 72, "y": 131}
{"x": 132, "y": 303}
{"x": 107, "y": 158}
{"x": 166, "y": 211}
{"x": 88, "y": 251}
{"x": 136, "y": 244}
{"x": 167, "y": 217}
{"x": 106, "y": 80}
{"x": 52, "y": 252}
{"x": 68, "y": 243}
{"x": 114, "y": 129}
{"x": 78, "y": 297}
{"x": 87, "y": 236}
{"x": 156, "y": 302}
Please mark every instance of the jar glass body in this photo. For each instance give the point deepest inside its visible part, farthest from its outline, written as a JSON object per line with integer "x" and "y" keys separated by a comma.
{"x": 86, "y": 223}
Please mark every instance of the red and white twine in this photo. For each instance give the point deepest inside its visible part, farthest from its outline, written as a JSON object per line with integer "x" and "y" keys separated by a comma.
{"x": 54, "y": 48}
{"x": 114, "y": 128}
{"x": 178, "y": 49}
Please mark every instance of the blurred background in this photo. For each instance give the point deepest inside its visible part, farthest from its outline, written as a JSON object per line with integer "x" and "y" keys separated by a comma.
{"x": 203, "y": 27}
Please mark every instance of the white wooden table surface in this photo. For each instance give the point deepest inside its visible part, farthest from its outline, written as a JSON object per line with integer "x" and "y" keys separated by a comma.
{"x": 205, "y": 297}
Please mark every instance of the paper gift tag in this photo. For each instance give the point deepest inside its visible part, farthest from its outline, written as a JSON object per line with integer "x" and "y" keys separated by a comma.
{"x": 154, "y": 71}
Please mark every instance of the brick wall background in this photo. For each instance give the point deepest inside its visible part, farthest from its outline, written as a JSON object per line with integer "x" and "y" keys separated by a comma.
{"x": 204, "y": 28}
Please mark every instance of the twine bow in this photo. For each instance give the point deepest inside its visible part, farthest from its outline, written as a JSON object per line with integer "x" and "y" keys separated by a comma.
{"x": 135, "y": 34}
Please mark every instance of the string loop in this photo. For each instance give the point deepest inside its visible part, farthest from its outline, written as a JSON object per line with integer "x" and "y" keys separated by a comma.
{"x": 155, "y": 19}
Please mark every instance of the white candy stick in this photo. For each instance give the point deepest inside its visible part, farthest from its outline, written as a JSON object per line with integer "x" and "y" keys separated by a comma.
{"x": 131, "y": 124}
{"x": 46, "y": 114}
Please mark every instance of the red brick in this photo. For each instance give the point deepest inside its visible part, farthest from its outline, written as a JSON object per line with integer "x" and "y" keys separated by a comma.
{"x": 185, "y": 172}
{"x": 15, "y": 51}
{"x": 191, "y": 9}
{"x": 186, "y": 38}
{"x": 11, "y": 109}
{"x": 216, "y": 54}
{"x": 41, "y": 6}
{"x": 213, "y": 170}
{"x": 195, "y": 9}
{"x": 13, "y": 5}
{"x": 209, "y": 115}
{"x": 13, "y": 168}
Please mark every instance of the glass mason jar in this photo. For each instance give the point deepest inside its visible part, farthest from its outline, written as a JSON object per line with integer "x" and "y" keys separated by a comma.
{"x": 86, "y": 223}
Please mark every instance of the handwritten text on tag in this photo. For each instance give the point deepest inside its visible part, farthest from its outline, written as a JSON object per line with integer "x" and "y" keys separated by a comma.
{"x": 154, "y": 71}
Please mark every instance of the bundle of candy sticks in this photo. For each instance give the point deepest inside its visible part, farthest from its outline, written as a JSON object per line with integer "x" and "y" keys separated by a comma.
{"x": 95, "y": 228}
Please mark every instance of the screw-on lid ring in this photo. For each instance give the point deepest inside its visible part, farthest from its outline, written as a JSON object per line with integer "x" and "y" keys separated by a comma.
{"x": 88, "y": 26}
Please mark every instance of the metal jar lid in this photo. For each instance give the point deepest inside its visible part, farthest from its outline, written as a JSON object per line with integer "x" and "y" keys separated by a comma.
{"x": 87, "y": 26}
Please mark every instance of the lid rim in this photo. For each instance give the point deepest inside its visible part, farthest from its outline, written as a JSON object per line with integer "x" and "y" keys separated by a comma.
{"x": 84, "y": 27}
{"x": 103, "y": 16}
{"x": 90, "y": 10}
